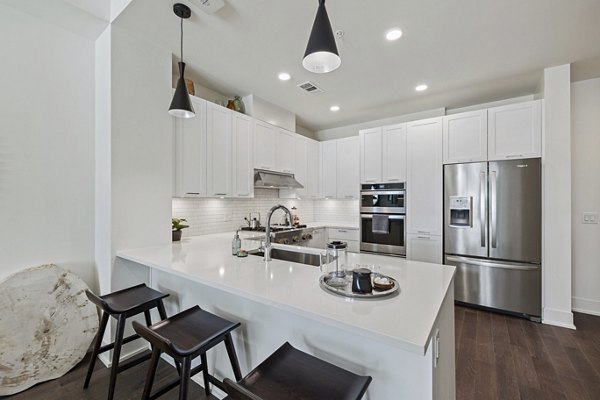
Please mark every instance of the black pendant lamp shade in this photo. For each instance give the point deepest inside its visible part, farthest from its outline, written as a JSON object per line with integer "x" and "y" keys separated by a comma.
{"x": 181, "y": 105}
{"x": 321, "y": 54}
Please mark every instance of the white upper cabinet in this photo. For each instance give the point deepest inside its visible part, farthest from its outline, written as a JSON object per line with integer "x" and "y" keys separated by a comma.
{"x": 328, "y": 169}
{"x": 312, "y": 180}
{"x": 424, "y": 176}
{"x": 190, "y": 153}
{"x": 465, "y": 137}
{"x": 394, "y": 153}
{"x": 243, "y": 156}
{"x": 285, "y": 151}
{"x": 219, "y": 150}
{"x": 265, "y": 143}
{"x": 370, "y": 155}
{"x": 347, "y": 168}
{"x": 515, "y": 131}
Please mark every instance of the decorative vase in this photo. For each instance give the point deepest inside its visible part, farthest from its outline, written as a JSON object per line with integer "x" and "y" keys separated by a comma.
{"x": 177, "y": 236}
{"x": 231, "y": 105}
{"x": 239, "y": 105}
{"x": 190, "y": 87}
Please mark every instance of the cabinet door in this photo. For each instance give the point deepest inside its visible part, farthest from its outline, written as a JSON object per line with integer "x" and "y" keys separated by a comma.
{"x": 370, "y": 155}
{"x": 312, "y": 187}
{"x": 328, "y": 169}
{"x": 347, "y": 168}
{"x": 515, "y": 131}
{"x": 265, "y": 136}
{"x": 465, "y": 137}
{"x": 394, "y": 153}
{"x": 243, "y": 156}
{"x": 300, "y": 154}
{"x": 424, "y": 176}
{"x": 190, "y": 153}
{"x": 285, "y": 151}
{"x": 426, "y": 248}
{"x": 219, "y": 149}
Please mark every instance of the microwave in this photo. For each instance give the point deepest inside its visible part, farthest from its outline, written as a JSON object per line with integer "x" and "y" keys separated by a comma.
{"x": 383, "y": 198}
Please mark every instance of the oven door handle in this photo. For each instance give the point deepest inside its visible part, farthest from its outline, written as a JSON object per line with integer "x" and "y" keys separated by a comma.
{"x": 382, "y": 192}
{"x": 370, "y": 216}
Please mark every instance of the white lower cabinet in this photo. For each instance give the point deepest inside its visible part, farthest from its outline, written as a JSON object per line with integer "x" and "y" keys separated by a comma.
{"x": 189, "y": 153}
{"x": 423, "y": 247}
{"x": 348, "y": 235}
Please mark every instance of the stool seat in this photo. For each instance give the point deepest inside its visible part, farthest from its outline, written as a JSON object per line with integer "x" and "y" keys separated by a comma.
{"x": 128, "y": 300}
{"x": 185, "y": 336}
{"x": 192, "y": 331}
{"x": 292, "y": 374}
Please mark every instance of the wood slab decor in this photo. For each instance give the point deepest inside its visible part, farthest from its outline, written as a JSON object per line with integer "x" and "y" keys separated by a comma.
{"x": 46, "y": 326}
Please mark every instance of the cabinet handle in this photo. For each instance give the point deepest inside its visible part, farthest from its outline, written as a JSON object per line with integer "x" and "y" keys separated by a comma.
{"x": 220, "y": 194}
{"x": 342, "y": 231}
{"x": 393, "y": 180}
{"x": 423, "y": 237}
{"x": 369, "y": 180}
{"x": 514, "y": 155}
{"x": 196, "y": 193}
{"x": 424, "y": 232}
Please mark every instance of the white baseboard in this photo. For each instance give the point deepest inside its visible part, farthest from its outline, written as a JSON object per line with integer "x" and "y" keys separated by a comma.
{"x": 586, "y": 306}
{"x": 561, "y": 318}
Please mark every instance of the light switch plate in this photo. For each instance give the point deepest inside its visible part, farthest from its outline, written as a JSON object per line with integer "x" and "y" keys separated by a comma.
{"x": 589, "y": 218}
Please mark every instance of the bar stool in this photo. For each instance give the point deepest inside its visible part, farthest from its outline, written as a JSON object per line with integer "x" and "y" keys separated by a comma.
{"x": 185, "y": 336}
{"x": 292, "y": 374}
{"x": 121, "y": 305}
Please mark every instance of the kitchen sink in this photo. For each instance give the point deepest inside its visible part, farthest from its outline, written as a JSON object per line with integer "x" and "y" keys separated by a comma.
{"x": 292, "y": 256}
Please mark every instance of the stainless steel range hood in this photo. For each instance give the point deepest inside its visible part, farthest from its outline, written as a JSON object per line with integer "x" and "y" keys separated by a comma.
{"x": 275, "y": 180}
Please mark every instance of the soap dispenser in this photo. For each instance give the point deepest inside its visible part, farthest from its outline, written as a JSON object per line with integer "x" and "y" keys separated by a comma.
{"x": 236, "y": 244}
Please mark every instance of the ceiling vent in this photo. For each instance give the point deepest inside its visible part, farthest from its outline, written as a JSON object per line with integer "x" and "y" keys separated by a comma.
{"x": 311, "y": 88}
{"x": 209, "y": 6}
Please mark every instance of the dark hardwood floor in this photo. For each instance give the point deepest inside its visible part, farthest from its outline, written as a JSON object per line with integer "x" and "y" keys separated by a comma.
{"x": 130, "y": 385}
{"x": 497, "y": 358}
{"x": 504, "y": 358}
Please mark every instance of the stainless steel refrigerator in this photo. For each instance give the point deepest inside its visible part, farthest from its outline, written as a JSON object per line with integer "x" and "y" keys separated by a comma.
{"x": 493, "y": 234}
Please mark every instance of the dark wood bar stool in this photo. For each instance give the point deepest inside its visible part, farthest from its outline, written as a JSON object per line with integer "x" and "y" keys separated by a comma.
{"x": 292, "y": 374}
{"x": 121, "y": 305}
{"x": 185, "y": 336}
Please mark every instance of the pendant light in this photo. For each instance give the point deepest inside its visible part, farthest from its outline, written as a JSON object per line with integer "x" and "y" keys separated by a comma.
{"x": 181, "y": 105}
{"x": 321, "y": 54}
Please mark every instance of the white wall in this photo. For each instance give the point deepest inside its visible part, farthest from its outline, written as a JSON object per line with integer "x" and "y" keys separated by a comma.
{"x": 46, "y": 146}
{"x": 556, "y": 148}
{"x": 585, "y": 145}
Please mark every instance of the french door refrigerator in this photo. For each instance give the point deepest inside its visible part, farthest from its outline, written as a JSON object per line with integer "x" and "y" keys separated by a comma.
{"x": 493, "y": 235}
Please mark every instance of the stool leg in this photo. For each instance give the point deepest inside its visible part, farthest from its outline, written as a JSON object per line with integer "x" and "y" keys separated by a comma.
{"x": 148, "y": 318}
{"x": 116, "y": 355}
{"x": 235, "y": 365}
{"x": 96, "y": 350}
{"x": 205, "y": 373}
{"x": 185, "y": 378}
{"x": 161, "y": 309}
{"x": 151, "y": 373}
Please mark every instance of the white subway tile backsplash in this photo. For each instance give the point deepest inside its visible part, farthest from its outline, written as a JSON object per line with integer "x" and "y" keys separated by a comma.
{"x": 206, "y": 216}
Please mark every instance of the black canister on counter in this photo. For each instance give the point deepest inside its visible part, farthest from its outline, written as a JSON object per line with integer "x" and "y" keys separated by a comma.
{"x": 361, "y": 280}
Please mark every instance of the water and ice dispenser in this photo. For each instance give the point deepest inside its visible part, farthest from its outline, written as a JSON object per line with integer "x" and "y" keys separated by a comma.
{"x": 461, "y": 211}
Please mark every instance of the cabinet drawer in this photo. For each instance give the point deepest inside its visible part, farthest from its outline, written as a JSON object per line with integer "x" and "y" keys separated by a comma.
{"x": 343, "y": 234}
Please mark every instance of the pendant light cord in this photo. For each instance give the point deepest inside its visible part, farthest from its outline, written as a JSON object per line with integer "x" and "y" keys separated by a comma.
{"x": 181, "y": 41}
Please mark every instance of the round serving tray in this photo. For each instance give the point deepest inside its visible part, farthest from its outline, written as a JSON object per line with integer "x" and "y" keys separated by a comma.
{"x": 346, "y": 290}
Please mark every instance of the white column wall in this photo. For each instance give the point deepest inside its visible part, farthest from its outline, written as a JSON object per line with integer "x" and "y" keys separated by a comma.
{"x": 556, "y": 261}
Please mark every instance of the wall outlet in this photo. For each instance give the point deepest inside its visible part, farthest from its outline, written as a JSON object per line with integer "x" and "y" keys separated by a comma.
{"x": 589, "y": 218}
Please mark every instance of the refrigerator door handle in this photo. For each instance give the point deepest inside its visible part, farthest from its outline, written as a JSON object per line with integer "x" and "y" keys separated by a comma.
{"x": 482, "y": 206}
{"x": 492, "y": 264}
{"x": 493, "y": 208}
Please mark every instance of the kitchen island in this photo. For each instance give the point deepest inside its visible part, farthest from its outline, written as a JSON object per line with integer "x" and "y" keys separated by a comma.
{"x": 405, "y": 342}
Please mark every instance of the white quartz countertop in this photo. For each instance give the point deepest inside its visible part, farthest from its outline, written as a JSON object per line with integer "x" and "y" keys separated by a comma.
{"x": 342, "y": 225}
{"x": 405, "y": 320}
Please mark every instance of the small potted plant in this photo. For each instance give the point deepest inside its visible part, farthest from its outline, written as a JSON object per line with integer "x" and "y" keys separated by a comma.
{"x": 178, "y": 225}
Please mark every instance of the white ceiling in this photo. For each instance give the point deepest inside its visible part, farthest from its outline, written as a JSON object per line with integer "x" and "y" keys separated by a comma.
{"x": 467, "y": 51}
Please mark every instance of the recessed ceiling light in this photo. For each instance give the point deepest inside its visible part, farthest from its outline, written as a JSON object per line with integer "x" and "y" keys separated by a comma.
{"x": 393, "y": 34}
{"x": 421, "y": 88}
{"x": 334, "y": 108}
{"x": 284, "y": 76}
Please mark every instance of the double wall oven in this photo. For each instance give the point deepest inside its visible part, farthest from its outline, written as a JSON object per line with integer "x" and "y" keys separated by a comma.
{"x": 383, "y": 218}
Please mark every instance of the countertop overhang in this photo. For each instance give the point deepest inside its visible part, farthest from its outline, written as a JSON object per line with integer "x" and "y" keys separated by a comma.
{"x": 405, "y": 320}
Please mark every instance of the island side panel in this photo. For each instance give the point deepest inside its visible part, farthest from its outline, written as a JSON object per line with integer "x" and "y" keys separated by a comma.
{"x": 397, "y": 374}
{"x": 444, "y": 368}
